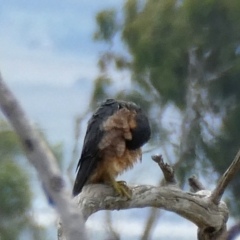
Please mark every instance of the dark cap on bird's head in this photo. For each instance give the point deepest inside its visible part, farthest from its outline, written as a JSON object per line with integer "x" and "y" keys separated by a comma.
{"x": 122, "y": 103}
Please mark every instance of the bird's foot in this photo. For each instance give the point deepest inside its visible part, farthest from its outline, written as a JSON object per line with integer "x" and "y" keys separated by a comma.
{"x": 122, "y": 189}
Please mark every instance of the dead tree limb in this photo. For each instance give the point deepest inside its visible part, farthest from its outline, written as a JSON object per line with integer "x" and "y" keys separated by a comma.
{"x": 210, "y": 232}
{"x": 195, "y": 184}
{"x": 167, "y": 170}
{"x": 225, "y": 179}
{"x": 197, "y": 207}
{"x": 43, "y": 160}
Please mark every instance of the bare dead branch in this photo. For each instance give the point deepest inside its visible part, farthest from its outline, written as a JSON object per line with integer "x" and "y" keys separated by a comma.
{"x": 43, "y": 160}
{"x": 210, "y": 218}
{"x": 225, "y": 179}
{"x": 154, "y": 213}
{"x": 195, "y": 207}
{"x": 167, "y": 170}
{"x": 195, "y": 184}
{"x": 112, "y": 234}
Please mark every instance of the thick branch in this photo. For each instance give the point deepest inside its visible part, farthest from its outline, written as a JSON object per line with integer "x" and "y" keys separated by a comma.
{"x": 194, "y": 207}
{"x": 225, "y": 179}
{"x": 43, "y": 160}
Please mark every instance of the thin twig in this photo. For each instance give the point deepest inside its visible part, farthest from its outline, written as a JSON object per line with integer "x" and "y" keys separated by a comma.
{"x": 155, "y": 213}
{"x": 112, "y": 234}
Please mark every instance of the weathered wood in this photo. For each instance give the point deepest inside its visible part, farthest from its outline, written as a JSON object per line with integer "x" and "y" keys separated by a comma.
{"x": 196, "y": 207}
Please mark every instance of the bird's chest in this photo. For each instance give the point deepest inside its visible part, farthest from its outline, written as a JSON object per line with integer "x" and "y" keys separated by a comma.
{"x": 110, "y": 166}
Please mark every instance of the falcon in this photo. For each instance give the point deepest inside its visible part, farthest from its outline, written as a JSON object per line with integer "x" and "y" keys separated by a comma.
{"x": 115, "y": 134}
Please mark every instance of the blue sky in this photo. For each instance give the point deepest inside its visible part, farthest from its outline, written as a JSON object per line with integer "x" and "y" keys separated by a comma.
{"x": 49, "y": 41}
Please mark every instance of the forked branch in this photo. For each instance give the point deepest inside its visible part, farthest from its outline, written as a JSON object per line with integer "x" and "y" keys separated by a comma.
{"x": 195, "y": 207}
{"x": 210, "y": 216}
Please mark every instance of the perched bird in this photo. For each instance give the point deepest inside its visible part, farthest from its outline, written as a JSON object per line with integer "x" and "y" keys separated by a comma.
{"x": 115, "y": 134}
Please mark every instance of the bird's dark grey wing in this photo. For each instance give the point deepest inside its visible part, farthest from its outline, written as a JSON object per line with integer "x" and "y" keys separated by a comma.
{"x": 90, "y": 152}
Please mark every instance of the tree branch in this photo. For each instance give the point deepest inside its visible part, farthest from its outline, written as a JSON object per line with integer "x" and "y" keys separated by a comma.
{"x": 197, "y": 207}
{"x": 43, "y": 160}
{"x": 192, "y": 206}
{"x": 155, "y": 213}
{"x": 195, "y": 184}
{"x": 225, "y": 179}
{"x": 167, "y": 170}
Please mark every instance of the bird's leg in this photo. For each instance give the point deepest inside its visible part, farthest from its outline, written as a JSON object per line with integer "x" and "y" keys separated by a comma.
{"x": 121, "y": 188}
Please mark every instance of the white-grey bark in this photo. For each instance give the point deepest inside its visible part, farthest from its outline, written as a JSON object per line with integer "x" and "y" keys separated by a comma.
{"x": 196, "y": 207}
{"x": 43, "y": 160}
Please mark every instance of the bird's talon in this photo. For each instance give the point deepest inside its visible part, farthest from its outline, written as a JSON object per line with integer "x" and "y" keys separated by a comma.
{"x": 122, "y": 189}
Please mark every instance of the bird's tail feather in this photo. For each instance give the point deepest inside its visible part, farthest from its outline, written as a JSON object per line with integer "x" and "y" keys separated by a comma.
{"x": 84, "y": 172}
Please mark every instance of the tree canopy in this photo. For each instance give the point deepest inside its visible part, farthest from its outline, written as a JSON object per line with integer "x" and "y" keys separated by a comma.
{"x": 183, "y": 56}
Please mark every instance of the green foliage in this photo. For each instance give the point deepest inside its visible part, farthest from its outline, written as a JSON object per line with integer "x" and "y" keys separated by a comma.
{"x": 15, "y": 195}
{"x": 100, "y": 90}
{"x": 14, "y": 189}
{"x": 158, "y": 45}
{"x": 107, "y": 27}
{"x": 15, "y": 199}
